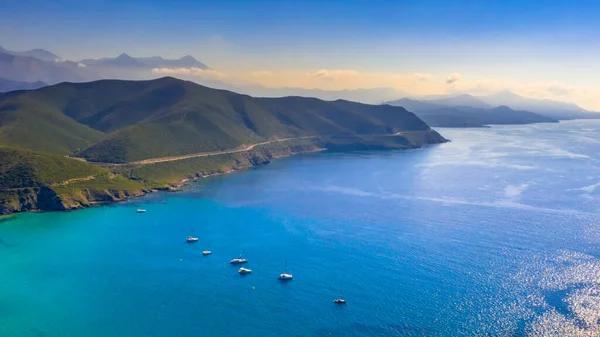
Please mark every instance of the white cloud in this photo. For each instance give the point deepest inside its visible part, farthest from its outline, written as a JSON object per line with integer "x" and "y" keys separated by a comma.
{"x": 196, "y": 72}
{"x": 558, "y": 89}
{"x": 81, "y": 65}
{"x": 422, "y": 77}
{"x": 336, "y": 74}
{"x": 452, "y": 78}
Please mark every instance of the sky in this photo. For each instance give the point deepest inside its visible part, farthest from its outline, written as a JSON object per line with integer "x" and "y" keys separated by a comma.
{"x": 545, "y": 49}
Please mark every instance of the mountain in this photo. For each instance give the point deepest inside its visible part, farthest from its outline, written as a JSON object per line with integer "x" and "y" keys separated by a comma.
{"x": 30, "y": 69}
{"x": 121, "y": 61}
{"x": 122, "y": 121}
{"x": 369, "y": 96}
{"x": 187, "y": 61}
{"x": 40, "y": 54}
{"x": 439, "y": 115}
{"x": 415, "y": 105}
{"x": 8, "y": 85}
{"x": 546, "y": 107}
{"x": 476, "y": 117}
{"x": 462, "y": 100}
{"x": 126, "y": 61}
{"x": 162, "y": 131}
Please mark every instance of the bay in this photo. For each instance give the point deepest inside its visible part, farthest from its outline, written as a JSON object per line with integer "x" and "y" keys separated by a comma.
{"x": 496, "y": 233}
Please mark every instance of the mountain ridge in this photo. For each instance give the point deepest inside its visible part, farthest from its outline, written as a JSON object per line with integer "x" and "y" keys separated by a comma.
{"x": 121, "y": 121}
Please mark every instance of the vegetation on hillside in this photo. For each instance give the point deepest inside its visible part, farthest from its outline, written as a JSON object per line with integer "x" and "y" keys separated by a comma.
{"x": 114, "y": 121}
{"x": 124, "y": 121}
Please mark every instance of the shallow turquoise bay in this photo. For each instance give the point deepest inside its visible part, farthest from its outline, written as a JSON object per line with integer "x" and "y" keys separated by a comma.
{"x": 496, "y": 233}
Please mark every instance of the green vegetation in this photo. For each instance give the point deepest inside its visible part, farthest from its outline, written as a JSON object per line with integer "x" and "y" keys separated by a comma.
{"x": 24, "y": 168}
{"x": 114, "y": 121}
{"x": 32, "y": 180}
{"x": 124, "y": 121}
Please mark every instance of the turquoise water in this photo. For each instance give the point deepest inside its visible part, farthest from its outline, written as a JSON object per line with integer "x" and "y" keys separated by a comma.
{"x": 496, "y": 233}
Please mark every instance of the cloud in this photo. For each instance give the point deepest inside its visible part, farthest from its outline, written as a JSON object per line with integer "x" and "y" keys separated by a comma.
{"x": 336, "y": 74}
{"x": 196, "y": 72}
{"x": 422, "y": 77}
{"x": 558, "y": 89}
{"x": 416, "y": 84}
{"x": 452, "y": 78}
{"x": 81, "y": 65}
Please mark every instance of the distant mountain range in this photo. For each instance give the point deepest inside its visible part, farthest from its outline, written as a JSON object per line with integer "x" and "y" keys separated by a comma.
{"x": 503, "y": 108}
{"x": 33, "y": 68}
{"x": 41, "y": 65}
{"x": 368, "y": 96}
{"x": 8, "y": 85}
{"x": 40, "y": 54}
{"x": 126, "y": 61}
{"x": 440, "y": 115}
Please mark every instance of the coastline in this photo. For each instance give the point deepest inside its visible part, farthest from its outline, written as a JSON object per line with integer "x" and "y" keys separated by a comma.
{"x": 174, "y": 175}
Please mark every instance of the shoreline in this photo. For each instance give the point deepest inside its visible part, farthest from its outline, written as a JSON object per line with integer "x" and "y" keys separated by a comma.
{"x": 171, "y": 188}
{"x": 174, "y": 175}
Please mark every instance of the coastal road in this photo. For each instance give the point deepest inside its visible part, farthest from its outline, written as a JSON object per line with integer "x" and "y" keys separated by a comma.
{"x": 214, "y": 153}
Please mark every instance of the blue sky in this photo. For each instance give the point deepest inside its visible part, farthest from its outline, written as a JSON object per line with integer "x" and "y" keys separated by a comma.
{"x": 521, "y": 41}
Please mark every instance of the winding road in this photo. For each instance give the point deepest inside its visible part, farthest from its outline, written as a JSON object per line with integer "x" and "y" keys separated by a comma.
{"x": 214, "y": 153}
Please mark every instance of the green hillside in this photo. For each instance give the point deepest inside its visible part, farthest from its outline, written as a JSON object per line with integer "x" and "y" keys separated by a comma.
{"x": 113, "y": 121}
{"x": 28, "y": 123}
{"x": 33, "y": 180}
{"x": 123, "y": 121}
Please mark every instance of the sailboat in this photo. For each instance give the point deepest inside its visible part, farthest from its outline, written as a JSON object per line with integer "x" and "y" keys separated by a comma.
{"x": 243, "y": 271}
{"x": 238, "y": 260}
{"x": 340, "y": 300}
{"x": 286, "y": 276}
{"x": 191, "y": 239}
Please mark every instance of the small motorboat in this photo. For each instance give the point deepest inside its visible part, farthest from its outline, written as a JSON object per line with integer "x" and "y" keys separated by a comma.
{"x": 285, "y": 277}
{"x": 238, "y": 260}
{"x": 191, "y": 239}
{"x": 141, "y": 210}
{"x": 339, "y": 301}
{"x": 206, "y": 252}
{"x": 244, "y": 271}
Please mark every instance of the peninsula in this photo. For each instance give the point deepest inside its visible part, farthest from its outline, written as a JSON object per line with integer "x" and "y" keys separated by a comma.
{"x": 72, "y": 145}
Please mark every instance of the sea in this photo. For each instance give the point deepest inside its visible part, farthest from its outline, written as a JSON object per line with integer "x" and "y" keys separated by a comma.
{"x": 496, "y": 233}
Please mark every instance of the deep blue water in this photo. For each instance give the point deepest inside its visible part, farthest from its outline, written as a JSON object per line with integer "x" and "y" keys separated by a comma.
{"x": 494, "y": 234}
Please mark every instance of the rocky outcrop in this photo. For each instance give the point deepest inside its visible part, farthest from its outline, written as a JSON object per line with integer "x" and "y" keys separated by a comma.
{"x": 46, "y": 199}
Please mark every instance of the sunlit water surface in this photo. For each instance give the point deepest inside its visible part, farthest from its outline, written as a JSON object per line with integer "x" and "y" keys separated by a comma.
{"x": 496, "y": 233}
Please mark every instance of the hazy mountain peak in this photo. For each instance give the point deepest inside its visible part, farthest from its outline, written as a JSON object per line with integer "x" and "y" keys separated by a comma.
{"x": 124, "y": 56}
{"x": 188, "y": 58}
{"x": 506, "y": 94}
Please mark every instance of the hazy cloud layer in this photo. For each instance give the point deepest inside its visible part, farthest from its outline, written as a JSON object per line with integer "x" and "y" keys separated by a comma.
{"x": 413, "y": 83}
{"x": 198, "y": 72}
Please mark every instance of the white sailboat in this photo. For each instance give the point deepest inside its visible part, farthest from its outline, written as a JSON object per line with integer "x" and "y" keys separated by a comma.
{"x": 243, "y": 271}
{"x": 238, "y": 260}
{"x": 191, "y": 239}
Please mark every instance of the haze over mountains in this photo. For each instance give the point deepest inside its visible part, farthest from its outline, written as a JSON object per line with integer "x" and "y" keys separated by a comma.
{"x": 37, "y": 67}
{"x": 466, "y": 110}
